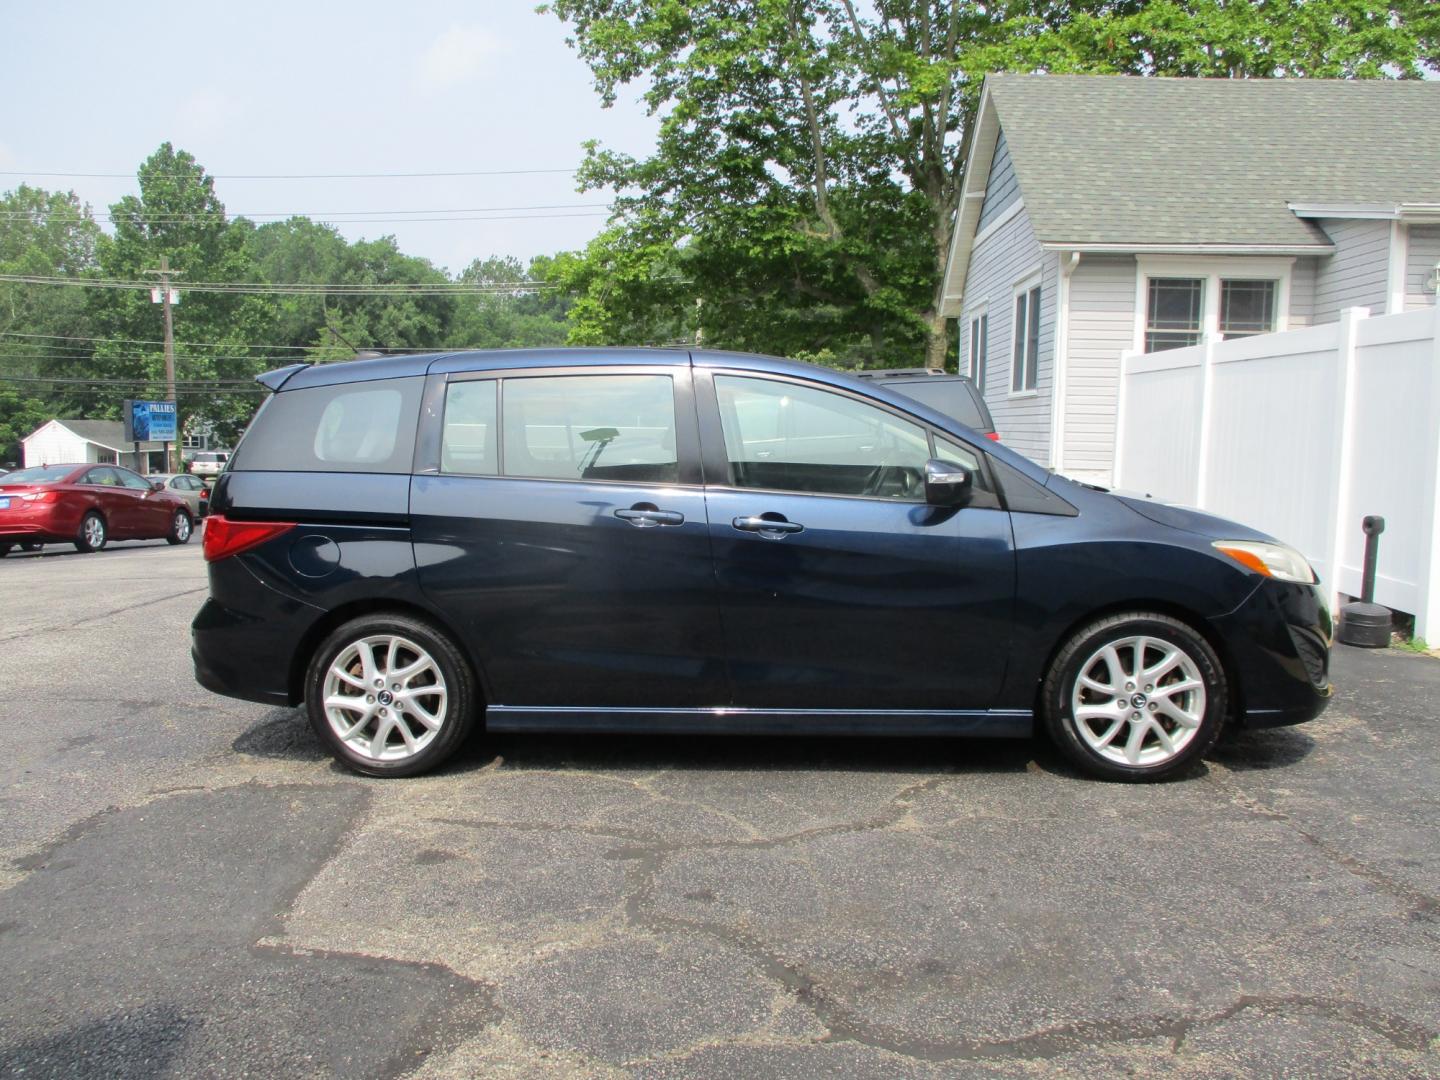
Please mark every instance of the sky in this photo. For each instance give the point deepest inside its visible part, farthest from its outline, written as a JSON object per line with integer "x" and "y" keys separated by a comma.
{"x": 310, "y": 87}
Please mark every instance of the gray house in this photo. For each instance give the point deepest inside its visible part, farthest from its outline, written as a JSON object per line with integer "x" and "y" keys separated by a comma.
{"x": 1102, "y": 214}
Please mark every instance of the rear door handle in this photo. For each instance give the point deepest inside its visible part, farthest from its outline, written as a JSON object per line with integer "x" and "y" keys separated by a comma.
{"x": 647, "y": 517}
{"x": 772, "y": 527}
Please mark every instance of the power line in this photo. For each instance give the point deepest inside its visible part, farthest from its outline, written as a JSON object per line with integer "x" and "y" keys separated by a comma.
{"x": 188, "y": 344}
{"x": 292, "y": 176}
{"x": 255, "y": 288}
{"x": 204, "y": 215}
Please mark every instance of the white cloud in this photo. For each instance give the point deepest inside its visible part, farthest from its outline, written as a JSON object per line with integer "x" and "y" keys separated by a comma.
{"x": 456, "y": 56}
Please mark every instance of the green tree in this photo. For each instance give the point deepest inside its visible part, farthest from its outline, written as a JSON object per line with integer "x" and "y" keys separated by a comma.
{"x": 523, "y": 309}
{"x": 177, "y": 215}
{"x": 808, "y": 167}
{"x": 42, "y": 328}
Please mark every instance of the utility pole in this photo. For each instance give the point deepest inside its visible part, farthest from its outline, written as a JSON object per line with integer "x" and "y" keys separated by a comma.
{"x": 172, "y": 450}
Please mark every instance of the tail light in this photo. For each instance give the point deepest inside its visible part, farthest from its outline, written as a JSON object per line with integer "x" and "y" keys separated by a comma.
{"x": 49, "y": 495}
{"x": 224, "y": 537}
{"x": 993, "y": 435}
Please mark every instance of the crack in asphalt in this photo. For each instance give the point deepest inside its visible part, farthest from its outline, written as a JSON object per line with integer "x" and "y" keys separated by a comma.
{"x": 1419, "y": 901}
{"x": 149, "y": 602}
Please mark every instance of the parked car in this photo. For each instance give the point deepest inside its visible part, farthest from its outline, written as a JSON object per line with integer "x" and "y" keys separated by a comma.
{"x": 88, "y": 505}
{"x": 189, "y": 487}
{"x": 209, "y": 463}
{"x": 662, "y": 540}
{"x": 956, "y": 396}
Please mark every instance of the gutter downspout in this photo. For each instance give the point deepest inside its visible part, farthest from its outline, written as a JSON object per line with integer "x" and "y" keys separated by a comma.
{"x": 1068, "y": 263}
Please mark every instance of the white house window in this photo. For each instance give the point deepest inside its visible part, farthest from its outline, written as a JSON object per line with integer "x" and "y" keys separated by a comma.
{"x": 979, "y": 346}
{"x": 1185, "y": 300}
{"x": 1246, "y": 308}
{"x": 1173, "y": 314}
{"x": 1027, "y": 340}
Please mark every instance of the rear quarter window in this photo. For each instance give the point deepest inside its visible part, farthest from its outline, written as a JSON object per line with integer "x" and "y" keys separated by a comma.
{"x": 947, "y": 397}
{"x": 352, "y": 427}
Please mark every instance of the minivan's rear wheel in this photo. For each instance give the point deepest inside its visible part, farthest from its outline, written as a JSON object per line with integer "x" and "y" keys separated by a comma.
{"x": 92, "y": 534}
{"x": 390, "y": 695}
{"x": 1136, "y": 696}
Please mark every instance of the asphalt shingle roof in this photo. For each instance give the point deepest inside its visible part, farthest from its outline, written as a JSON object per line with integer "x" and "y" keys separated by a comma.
{"x": 109, "y": 433}
{"x": 1122, "y": 159}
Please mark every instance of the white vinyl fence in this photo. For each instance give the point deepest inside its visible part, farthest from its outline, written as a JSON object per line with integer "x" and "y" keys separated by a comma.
{"x": 1300, "y": 435}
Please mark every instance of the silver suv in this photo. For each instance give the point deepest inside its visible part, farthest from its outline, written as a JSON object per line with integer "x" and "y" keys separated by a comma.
{"x": 209, "y": 463}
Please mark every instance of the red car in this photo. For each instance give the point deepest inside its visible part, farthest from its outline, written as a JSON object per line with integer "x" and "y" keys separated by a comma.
{"x": 87, "y": 505}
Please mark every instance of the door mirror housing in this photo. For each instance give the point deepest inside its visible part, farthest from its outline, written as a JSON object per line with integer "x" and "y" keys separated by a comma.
{"x": 155, "y": 485}
{"x": 945, "y": 484}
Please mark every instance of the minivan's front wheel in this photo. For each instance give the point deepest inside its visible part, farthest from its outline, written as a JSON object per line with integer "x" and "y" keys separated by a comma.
{"x": 1135, "y": 696}
{"x": 390, "y": 695}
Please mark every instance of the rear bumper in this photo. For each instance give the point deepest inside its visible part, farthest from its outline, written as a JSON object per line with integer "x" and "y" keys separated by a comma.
{"x": 1279, "y": 652}
{"x": 248, "y": 650}
{"x": 45, "y": 521}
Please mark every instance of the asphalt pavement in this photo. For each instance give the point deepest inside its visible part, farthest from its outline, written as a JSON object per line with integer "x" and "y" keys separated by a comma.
{"x": 189, "y": 886}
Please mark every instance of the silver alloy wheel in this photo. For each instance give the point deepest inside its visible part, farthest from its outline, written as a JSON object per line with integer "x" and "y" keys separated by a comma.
{"x": 385, "y": 697}
{"x": 94, "y": 532}
{"x": 1142, "y": 688}
{"x": 182, "y": 526}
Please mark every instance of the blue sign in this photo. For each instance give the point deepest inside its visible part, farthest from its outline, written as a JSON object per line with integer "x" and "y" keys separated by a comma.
{"x": 149, "y": 421}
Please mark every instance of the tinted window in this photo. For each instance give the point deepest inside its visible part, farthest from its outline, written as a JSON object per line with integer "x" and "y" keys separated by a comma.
{"x": 353, "y": 427}
{"x": 105, "y": 476}
{"x": 133, "y": 480}
{"x": 950, "y": 397}
{"x": 469, "y": 442}
{"x": 591, "y": 427}
{"x": 787, "y": 437}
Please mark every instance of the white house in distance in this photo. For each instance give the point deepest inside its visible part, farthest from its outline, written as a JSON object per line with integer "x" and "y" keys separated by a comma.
{"x": 59, "y": 442}
{"x": 1104, "y": 214}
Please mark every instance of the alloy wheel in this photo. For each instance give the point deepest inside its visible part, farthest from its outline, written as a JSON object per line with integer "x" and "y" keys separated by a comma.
{"x": 385, "y": 697}
{"x": 1138, "y": 700}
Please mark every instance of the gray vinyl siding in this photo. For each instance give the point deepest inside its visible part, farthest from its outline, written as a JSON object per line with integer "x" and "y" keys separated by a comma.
{"x": 1357, "y": 274}
{"x": 1302, "y": 292}
{"x": 1420, "y": 260}
{"x": 1002, "y": 261}
{"x": 1001, "y": 189}
{"x": 1102, "y": 327}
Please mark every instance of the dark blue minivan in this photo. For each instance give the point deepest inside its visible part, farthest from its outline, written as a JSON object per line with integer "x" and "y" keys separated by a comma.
{"x": 690, "y": 541}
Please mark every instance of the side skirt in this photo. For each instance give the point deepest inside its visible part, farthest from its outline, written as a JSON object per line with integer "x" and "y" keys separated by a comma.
{"x": 987, "y": 723}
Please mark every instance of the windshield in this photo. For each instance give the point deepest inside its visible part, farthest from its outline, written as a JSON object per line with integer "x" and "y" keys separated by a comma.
{"x": 40, "y": 474}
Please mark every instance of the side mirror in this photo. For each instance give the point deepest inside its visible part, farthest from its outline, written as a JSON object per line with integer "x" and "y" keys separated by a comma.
{"x": 157, "y": 486}
{"x": 946, "y": 485}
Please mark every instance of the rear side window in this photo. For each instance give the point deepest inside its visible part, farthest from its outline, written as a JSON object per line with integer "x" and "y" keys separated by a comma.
{"x": 591, "y": 427}
{"x": 947, "y": 397}
{"x": 468, "y": 444}
{"x": 353, "y": 427}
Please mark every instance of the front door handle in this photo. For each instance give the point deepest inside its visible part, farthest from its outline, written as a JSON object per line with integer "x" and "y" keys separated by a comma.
{"x": 646, "y": 516}
{"x": 773, "y": 526}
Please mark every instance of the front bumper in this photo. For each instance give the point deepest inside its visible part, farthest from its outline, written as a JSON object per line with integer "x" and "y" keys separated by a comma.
{"x": 1278, "y": 643}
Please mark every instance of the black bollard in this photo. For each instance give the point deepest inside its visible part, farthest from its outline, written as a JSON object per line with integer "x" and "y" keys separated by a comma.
{"x": 1364, "y": 622}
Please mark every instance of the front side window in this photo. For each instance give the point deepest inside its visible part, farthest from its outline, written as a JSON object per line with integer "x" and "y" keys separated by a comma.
{"x": 787, "y": 437}
{"x": 1246, "y": 308}
{"x": 979, "y": 346}
{"x": 1027, "y": 341}
{"x": 133, "y": 480}
{"x": 469, "y": 441}
{"x": 1173, "y": 313}
{"x": 590, "y": 427}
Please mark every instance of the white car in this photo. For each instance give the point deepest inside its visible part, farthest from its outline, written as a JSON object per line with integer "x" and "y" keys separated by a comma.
{"x": 209, "y": 463}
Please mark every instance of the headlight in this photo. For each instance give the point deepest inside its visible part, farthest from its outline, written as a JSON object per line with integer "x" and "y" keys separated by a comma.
{"x": 1272, "y": 560}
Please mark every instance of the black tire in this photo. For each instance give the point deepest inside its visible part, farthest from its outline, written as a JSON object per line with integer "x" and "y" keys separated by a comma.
{"x": 181, "y": 528}
{"x": 1081, "y": 654}
{"x": 93, "y": 534}
{"x": 5, "y": 550}
{"x": 456, "y": 720}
